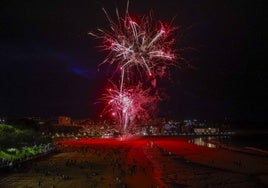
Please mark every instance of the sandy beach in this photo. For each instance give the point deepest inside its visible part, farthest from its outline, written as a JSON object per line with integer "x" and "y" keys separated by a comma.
{"x": 141, "y": 162}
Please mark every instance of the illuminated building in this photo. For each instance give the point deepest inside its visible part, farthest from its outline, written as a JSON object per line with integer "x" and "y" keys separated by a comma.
{"x": 64, "y": 120}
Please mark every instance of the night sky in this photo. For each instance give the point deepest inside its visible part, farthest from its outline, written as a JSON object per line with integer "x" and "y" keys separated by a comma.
{"x": 49, "y": 64}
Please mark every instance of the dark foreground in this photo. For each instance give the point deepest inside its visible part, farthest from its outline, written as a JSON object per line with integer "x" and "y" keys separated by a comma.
{"x": 141, "y": 162}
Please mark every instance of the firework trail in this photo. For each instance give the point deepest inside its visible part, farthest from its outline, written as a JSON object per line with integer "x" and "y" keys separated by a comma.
{"x": 130, "y": 105}
{"x": 137, "y": 48}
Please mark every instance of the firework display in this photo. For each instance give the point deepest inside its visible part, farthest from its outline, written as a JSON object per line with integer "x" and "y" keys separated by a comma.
{"x": 129, "y": 105}
{"x": 138, "y": 49}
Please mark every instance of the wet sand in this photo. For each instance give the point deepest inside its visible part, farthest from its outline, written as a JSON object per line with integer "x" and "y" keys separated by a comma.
{"x": 142, "y": 162}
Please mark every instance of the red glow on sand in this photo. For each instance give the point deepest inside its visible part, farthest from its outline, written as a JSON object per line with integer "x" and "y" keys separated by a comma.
{"x": 141, "y": 150}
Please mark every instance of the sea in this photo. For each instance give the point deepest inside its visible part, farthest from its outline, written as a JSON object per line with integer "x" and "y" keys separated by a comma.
{"x": 239, "y": 140}
{"x": 248, "y": 140}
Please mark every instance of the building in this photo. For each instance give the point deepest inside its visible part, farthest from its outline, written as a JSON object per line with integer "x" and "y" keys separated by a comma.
{"x": 206, "y": 130}
{"x": 64, "y": 120}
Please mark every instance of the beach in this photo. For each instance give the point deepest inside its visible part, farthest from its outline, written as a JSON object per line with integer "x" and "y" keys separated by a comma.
{"x": 142, "y": 162}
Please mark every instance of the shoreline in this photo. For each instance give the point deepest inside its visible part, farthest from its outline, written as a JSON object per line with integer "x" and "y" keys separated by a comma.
{"x": 247, "y": 149}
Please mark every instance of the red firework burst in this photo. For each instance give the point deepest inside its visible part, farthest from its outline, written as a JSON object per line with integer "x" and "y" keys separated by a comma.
{"x": 135, "y": 47}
